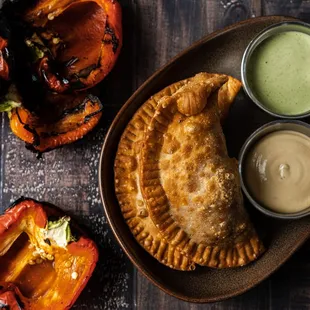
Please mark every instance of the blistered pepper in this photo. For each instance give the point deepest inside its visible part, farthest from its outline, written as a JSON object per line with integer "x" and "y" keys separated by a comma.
{"x": 71, "y": 125}
{"x": 4, "y": 68}
{"x": 43, "y": 265}
{"x": 76, "y": 42}
{"x": 59, "y": 49}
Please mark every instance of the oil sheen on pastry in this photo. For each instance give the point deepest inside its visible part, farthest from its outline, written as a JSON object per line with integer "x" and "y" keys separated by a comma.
{"x": 190, "y": 184}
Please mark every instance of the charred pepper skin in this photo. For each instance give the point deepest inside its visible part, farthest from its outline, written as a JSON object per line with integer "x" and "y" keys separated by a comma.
{"x": 6, "y": 57}
{"x": 4, "y": 68}
{"x": 51, "y": 58}
{"x": 52, "y": 81}
{"x": 79, "y": 66}
{"x": 45, "y": 287}
{"x": 72, "y": 125}
{"x": 11, "y": 298}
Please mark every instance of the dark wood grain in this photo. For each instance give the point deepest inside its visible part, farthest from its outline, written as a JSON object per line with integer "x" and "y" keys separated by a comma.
{"x": 296, "y": 8}
{"x": 154, "y": 32}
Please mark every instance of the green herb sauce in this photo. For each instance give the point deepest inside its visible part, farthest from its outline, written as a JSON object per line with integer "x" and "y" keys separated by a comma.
{"x": 279, "y": 73}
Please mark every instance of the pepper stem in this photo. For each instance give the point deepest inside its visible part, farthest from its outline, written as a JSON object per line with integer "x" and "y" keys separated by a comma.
{"x": 59, "y": 232}
{"x": 11, "y": 100}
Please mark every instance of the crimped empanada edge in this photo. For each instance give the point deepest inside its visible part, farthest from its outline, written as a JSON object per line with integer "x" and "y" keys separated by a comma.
{"x": 157, "y": 246}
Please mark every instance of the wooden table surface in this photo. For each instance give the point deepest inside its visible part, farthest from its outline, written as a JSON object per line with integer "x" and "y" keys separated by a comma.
{"x": 154, "y": 32}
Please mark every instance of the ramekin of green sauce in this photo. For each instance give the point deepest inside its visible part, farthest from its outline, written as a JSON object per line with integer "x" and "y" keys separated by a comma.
{"x": 275, "y": 70}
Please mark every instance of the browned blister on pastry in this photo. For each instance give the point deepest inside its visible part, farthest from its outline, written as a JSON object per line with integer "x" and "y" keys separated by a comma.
{"x": 190, "y": 184}
{"x": 128, "y": 191}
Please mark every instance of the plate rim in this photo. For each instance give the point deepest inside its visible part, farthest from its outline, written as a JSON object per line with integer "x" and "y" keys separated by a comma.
{"x": 116, "y": 119}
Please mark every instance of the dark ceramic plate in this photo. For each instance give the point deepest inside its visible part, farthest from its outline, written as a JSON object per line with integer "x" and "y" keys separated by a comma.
{"x": 218, "y": 52}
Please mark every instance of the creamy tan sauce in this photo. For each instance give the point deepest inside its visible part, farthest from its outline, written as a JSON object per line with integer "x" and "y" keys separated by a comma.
{"x": 277, "y": 171}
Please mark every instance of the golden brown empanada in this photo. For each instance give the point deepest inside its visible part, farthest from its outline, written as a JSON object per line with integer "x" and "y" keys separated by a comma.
{"x": 190, "y": 184}
{"x": 128, "y": 191}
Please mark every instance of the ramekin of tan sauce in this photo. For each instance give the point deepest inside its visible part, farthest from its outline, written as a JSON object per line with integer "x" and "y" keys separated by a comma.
{"x": 277, "y": 171}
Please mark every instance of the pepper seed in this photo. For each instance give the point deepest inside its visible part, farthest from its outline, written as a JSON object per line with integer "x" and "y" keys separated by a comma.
{"x": 68, "y": 264}
{"x": 39, "y": 260}
{"x": 74, "y": 275}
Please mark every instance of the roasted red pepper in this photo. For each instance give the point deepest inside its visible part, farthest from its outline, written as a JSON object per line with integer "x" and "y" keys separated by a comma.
{"x": 48, "y": 131}
{"x": 42, "y": 265}
{"x": 11, "y": 298}
{"x": 5, "y": 56}
{"x": 60, "y": 48}
{"x": 80, "y": 41}
{"x": 4, "y": 68}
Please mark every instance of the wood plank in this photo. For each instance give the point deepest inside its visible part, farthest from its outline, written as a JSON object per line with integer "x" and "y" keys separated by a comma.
{"x": 166, "y": 28}
{"x": 296, "y": 8}
{"x": 290, "y": 286}
{"x": 226, "y": 12}
{"x": 256, "y": 8}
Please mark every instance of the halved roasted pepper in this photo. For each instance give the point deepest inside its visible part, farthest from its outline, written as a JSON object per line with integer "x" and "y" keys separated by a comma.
{"x": 42, "y": 264}
{"x": 48, "y": 131}
{"x": 78, "y": 41}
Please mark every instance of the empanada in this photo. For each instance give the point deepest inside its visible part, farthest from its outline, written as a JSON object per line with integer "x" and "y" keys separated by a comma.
{"x": 190, "y": 184}
{"x": 128, "y": 191}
